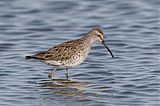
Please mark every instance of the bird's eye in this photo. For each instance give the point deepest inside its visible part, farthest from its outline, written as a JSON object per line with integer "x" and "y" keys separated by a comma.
{"x": 99, "y": 35}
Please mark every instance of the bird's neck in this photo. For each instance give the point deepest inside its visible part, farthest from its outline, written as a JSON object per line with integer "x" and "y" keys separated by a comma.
{"x": 90, "y": 38}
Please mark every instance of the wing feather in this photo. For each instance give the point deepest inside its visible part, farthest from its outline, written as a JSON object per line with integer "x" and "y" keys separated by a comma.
{"x": 60, "y": 52}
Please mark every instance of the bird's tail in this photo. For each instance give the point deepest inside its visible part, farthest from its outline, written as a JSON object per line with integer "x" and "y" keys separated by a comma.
{"x": 39, "y": 56}
{"x": 31, "y": 57}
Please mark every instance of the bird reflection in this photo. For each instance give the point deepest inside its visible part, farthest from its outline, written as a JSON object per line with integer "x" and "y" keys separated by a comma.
{"x": 64, "y": 87}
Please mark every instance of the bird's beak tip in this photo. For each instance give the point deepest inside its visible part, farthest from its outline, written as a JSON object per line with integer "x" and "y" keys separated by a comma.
{"x": 113, "y": 57}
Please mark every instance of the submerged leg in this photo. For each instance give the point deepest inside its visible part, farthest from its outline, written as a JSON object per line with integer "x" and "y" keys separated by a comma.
{"x": 50, "y": 73}
{"x": 67, "y": 73}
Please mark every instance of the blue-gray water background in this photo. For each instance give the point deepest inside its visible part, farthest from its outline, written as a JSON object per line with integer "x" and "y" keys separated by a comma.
{"x": 131, "y": 30}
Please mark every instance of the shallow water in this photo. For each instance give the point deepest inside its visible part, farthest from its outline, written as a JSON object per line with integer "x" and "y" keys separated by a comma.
{"x": 131, "y": 30}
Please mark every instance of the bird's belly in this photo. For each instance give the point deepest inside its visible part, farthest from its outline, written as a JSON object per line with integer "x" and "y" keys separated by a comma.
{"x": 76, "y": 59}
{"x": 53, "y": 62}
{"x": 74, "y": 62}
{"x": 70, "y": 62}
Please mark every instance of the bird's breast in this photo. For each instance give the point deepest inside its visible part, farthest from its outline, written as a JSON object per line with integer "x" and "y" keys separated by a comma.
{"x": 78, "y": 57}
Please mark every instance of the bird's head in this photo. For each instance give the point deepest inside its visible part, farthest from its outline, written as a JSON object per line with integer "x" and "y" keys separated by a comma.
{"x": 98, "y": 34}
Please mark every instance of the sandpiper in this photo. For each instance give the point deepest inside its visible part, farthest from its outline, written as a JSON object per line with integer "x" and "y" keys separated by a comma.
{"x": 71, "y": 53}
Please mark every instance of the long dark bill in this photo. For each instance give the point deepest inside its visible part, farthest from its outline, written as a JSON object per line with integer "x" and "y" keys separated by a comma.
{"x": 105, "y": 45}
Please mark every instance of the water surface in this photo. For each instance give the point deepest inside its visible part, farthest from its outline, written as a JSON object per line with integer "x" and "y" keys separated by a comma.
{"x": 131, "y": 30}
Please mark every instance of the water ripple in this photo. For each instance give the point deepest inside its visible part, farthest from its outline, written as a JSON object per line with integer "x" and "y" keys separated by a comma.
{"x": 131, "y": 31}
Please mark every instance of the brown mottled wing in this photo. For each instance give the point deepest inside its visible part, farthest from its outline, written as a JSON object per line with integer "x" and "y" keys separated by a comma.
{"x": 62, "y": 51}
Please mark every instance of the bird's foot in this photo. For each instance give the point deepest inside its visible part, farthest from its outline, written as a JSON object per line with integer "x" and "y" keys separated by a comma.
{"x": 50, "y": 75}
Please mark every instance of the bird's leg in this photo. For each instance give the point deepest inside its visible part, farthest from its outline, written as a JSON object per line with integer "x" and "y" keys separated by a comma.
{"x": 50, "y": 73}
{"x": 67, "y": 73}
